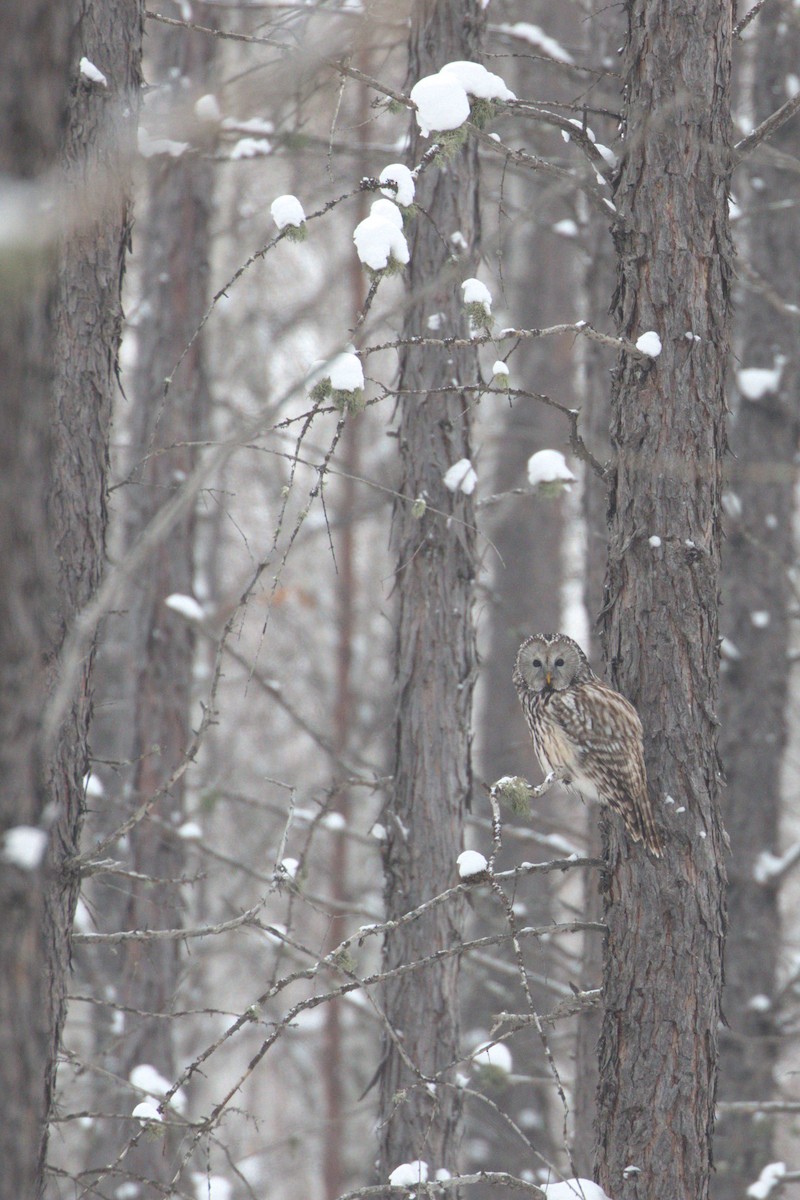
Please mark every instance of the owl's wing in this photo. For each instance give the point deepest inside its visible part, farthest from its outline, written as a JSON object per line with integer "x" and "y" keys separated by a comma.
{"x": 606, "y": 731}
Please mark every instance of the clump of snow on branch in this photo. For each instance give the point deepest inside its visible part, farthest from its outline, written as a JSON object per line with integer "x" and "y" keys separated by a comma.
{"x": 150, "y": 147}
{"x": 147, "y": 1111}
{"x": 379, "y": 243}
{"x": 289, "y": 867}
{"x": 500, "y": 374}
{"x": 535, "y": 36}
{"x": 768, "y": 866}
{"x": 187, "y": 606}
{"x": 442, "y": 100}
{"x": 89, "y": 71}
{"x": 207, "y": 109}
{"x": 470, "y": 863}
{"x": 409, "y": 1173}
{"x": 24, "y": 846}
{"x": 400, "y": 174}
{"x": 248, "y": 147}
{"x": 145, "y": 1078}
{"x": 767, "y": 1181}
{"x": 756, "y": 382}
{"x": 495, "y": 1056}
{"x": 190, "y": 831}
{"x": 346, "y": 373}
{"x": 478, "y": 303}
{"x": 549, "y": 467}
{"x": 287, "y": 213}
{"x": 211, "y": 1187}
{"x": 477, "y": 81}
{"x": 93, "y": 786}
{"x": 387, "y": 209}
{"x": 566, "y": 228}
{"x": 654, "y": 541}
{"x": 649, "y": 343}
{"x": 574, "y": 1189}
{"x": 461, "y": 477}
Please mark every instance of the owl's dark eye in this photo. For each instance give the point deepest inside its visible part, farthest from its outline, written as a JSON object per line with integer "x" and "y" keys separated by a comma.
{"x": 537, "y": 662}
{"x": 559, "y": 662}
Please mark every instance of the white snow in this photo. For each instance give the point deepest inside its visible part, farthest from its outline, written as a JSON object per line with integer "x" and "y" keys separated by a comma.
{"x": 145, "y": 1078}
{"x": 290, "y": 867}
{"x": 769, "y": 1178}
{"x": 147, "y": 1110}
{"x": 470, "y": 862}
{"x": 574, "y": 1189}
{"x": 93, "y": 786}
{"x": 476, "y": 292}
{"x": 493, "y": 1055}
{"x": 477, "y": 81}
{"x": 387, "y": 209}
{"x": 534, "y": 35}
{"x": 89, "y": 71}
{"x": 729, "y": 650}
{"x": 409, "y": 1173}
{"x": 500, "y": 368}
{"x": 287, "y": 210}
{"x": 760, "y": 620}
{"x": 207, "y": 109}
{"x": 248, "y": 147}
{"x": 654, "y": 541}
{"x": 190, "y": 831}
{"x": 334, "y": 820}
{"x": 566, "y": 228}
{"x": 731, "y": 505}
{"x": 767, "y": 865}
{"x": 187, "y": 606}
{"x": 399, "y": 174}
{"x": 759, "y": 1003}
{"x": 607, "y": 153}
{"x": 24, "y": 846}
{"x": 442, "y": 103}
{"x": 548, "y": 466}
{"x": 377, "y": 241}
{"x": 346, "y": 373}
{"x": 211, "y": 1187}
{"x": 649, "y": 343}
{"x": 150, "y": 147}
{"x": 251, "y": 125}
{"x": 461, "y": 477}
{"x": 756, "y": 382}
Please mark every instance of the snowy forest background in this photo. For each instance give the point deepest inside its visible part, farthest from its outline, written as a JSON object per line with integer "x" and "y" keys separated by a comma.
{"x": 241, "y": 1015}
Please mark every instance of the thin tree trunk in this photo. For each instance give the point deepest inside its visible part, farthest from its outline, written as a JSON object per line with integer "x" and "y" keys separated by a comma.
{"x": 666, "y": 919}
{"x": 435, "y": 655}
{"x": 758, "y": 552}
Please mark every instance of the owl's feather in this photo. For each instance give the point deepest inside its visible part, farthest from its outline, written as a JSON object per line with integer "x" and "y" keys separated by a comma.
{"x": 581, "y": 725}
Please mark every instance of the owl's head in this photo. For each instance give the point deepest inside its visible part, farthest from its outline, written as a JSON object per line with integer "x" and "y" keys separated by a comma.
{"x": 550, "y": 660}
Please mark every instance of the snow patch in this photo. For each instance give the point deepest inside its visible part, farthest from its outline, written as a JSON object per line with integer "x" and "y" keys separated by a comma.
{"x": 387, "y": 209}
{"x": 346, "y": 373}
{"x": 566, "y": 228}
{"x": 649, "y": 343}
{"x": 89, "y": 71}
{"x": 548, "y": 466}
{"x": 461, "y": 477}
{"x": 187, "y": 606}
{"x": 654, "y": 541}
{"x": 574, "y": 1189}
{"x": 756, "y": 382}
{"x": 409, "y": 1173}
{"x": 442, "y": 103}
{"x": 477, "y": 81}
{"x": 378, "y": 241}
{"x": 535, "y": 36}
{"x": 249, "y": 147}
{"x": 398, "y": 173}
{"x": 207, "y": 109}
{"x": 470, "y": 863}
{"x": 24, "y": 846}
{"x": 476, "y": 292}
{"x": 767, "y": 1181}
{"x": 495, "y": 1055}
{"x": 287, "y": 210}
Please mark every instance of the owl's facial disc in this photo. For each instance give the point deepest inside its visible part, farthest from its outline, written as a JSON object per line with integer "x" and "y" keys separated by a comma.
{"x": 548, "y": 666}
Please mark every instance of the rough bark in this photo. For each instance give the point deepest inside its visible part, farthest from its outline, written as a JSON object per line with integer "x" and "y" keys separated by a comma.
{"x": 148, "y": 656}
{"x": 663, "y": 968}
{"x": 435, "y": 652}
{"x": 61, "y": 302}
{"x": 758, "y": 551}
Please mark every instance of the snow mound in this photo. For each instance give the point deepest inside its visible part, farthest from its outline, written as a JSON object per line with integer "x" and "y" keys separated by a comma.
{"x": 548, "y": 466}
{"x": 398, "y": 173}
{"x": 461, "y": 477}
{"x": 378, "y": 241}
{"x": 442, "y": 103}
{"x": 649, "y": 343}
{"x": 470, "y": 863}
{"x": 287, "y": 210}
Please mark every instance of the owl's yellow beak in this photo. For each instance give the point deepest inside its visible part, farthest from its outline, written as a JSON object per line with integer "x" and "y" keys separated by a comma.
{"x": 548, "y": 678}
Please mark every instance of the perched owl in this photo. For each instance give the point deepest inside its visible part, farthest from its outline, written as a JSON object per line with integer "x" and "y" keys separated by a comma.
{"x": 584, "y": 727}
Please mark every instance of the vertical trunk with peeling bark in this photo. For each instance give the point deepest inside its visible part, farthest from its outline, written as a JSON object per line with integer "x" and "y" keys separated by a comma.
{"x": 666, "y": 919}
{"x": 435, "y": 655}
{"x": 758, "y": 553}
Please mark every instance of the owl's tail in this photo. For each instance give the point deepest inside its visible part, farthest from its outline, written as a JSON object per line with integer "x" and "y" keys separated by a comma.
{"x": 642, "y": 827}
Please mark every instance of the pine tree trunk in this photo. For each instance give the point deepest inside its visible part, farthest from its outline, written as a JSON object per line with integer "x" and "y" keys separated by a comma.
{"x": 663, "y": 969}
{"x": 435, "y": 655}
{"x": 758, "y": 553}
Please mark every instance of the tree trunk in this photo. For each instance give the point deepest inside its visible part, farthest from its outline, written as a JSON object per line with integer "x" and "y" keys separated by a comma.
{"x": 758, "y": 553}
{"x": 663, "y": 969}
{"x": 60, "y": 333}
{"x": 435, "y": 655}
{"x": 149, "y": 649}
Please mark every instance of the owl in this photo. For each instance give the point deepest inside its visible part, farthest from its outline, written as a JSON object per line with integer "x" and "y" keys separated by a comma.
{"x": 584, "y": 727}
